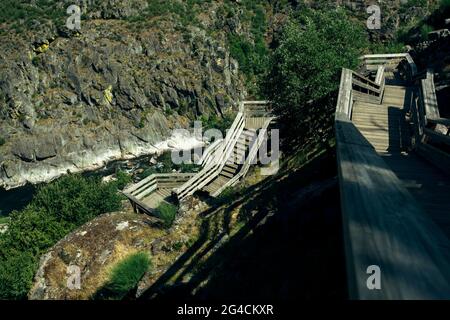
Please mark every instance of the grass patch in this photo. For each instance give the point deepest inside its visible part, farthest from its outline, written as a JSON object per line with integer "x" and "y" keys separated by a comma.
{"x": 125, "y": 277}
{"x": 167, "y": 213}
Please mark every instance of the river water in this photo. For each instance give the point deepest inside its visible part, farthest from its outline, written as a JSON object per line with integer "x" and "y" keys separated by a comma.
{"x": 18, "y": 198}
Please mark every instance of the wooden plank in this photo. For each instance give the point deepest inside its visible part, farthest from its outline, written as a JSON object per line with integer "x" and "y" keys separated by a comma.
{"x": 430, "y": 99}
{"x": 380, "y": 75}
{"x": 384, "y": 226}
{"x": 226, "y": 174}
{"x": 140, "y": 183}
{"x": 139, "y": 203}
{"x": 344, "y": 103}
{"x": 149, "y": 184}
{"x": 145, "y": 192}
{"x": 369, "y": 87}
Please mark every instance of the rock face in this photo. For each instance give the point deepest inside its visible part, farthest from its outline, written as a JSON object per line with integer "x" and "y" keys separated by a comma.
{"x": 393, "y": 13}
{"x": 94, "y": 248}
{"x": 74, "y": 100}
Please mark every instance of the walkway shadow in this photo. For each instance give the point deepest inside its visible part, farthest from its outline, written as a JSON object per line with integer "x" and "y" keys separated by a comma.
{"x": 289, "y": 247}
{"x": 399, "y": 134}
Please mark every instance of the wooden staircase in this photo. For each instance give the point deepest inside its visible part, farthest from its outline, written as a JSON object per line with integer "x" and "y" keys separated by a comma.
{"x": 234, "y": 162}
{"x": 235, "y": 154}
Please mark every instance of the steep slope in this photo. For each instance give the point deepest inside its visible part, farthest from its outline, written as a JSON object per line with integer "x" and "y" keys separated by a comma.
{"x": 72, "y": 100}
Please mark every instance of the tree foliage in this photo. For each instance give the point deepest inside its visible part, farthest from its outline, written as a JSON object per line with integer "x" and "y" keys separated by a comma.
{"x": 305, "y": 67}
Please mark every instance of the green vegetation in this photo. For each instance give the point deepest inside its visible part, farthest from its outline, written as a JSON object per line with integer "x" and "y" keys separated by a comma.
{"x": 221, "y": 123}
{"x": 184, "y": 11}
{"x": 125, "y": 277}
{"x": 57, "y": 209}
{"x": 444, "y": 5}
{"x": 167, "y": 213}
{"x": 4, "y": 219}
{"x": 22, "y": 14}
{"x": 305, "y": 70}
{"x": 123, "y": 179}
{"x": 251, "y": 50}
{"x": 2, "y": 141}
{"x": 166, "y": 165}
{"x": 417, "y": 30}
{"x": 424, "y": 30}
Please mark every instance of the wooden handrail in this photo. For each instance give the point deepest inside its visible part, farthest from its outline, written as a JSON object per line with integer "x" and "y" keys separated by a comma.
{"x": 443, "y": 121}
{"x": 213, "y": 169}
{"x": 382, "y": 59}
{"x": 248, "y": 161}
{"x": 429, "y": 97}
{"x": 209, "y": 152}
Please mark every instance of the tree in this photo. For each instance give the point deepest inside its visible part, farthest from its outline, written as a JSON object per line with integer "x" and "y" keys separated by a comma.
{"x": 305, "y": 69}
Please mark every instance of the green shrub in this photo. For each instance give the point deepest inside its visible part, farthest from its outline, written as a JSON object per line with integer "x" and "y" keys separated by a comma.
{"x": 125, "y": 276}
{"x": 23, "y": 13}
{"x": 123, "y": 179}
{"x": 445, "y": 4}
{"x": 16, "y": 275}
{"x": 166, "y": 212}
{"x": 251, "y": 51}
{"x": 425, "y": 30}
{"x": 56, "y": 209}
{"x": 76, "y": 199}
{"x": 4, "y": 219}
{"x": 2, "y": 141}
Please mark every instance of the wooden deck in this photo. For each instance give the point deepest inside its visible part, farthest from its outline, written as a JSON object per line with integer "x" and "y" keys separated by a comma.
{"x": 394, "y": 183}
{"x": 386, "y": 128}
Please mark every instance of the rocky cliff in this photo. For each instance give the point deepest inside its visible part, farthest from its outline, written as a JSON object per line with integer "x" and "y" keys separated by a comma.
{"x": 137, "y": 69}
{"x": 74, "y": 100}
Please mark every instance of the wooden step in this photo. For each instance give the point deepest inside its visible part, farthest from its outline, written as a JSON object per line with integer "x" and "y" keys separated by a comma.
{"x": 237, "y": 159}
{"x": 229, "y": 169}
{"x": 249, "y": 132}
{"x": 246, "y": 142}
{"x": 231, "y": 164}
{"x": 238, "y": 151}
{"x": 226, "y": 174}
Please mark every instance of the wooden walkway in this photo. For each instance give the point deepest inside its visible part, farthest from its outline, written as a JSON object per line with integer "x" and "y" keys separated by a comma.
{"x": 224, "y": 163}
{"x": 237, "y": 153}
{"x": 393, "y": 153}
{"x": 386, "y": 128}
